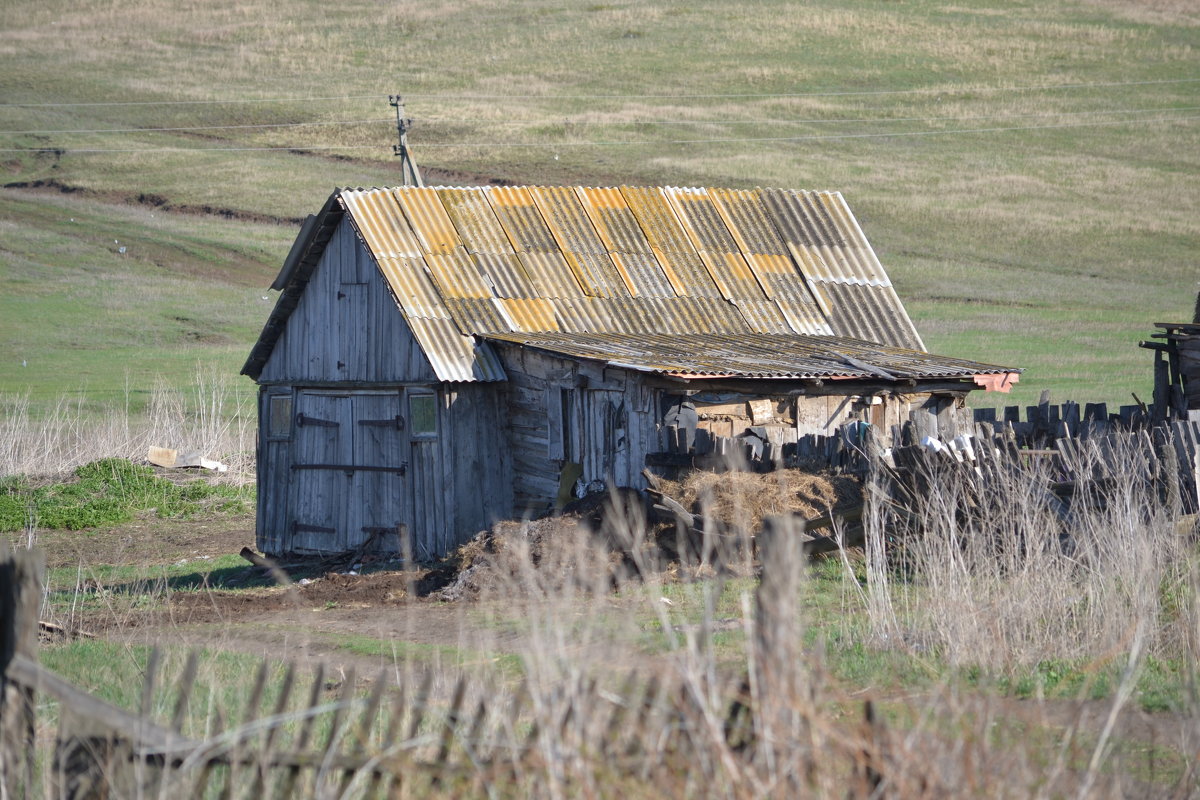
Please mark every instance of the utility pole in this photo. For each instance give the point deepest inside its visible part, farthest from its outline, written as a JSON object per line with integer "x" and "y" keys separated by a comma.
{"x": 408, "y": 167}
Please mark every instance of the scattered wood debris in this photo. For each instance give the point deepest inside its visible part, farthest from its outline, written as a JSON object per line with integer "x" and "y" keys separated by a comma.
{"x": 175, "y": 459}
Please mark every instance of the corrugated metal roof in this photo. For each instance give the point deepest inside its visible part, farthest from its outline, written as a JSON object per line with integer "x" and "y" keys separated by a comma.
{"x": 455, "y": 357}
{"x": 611, "y": 261}
{"x": 752, "y": 355}
{"x": 471, "y": 214}
{"x": 826, "y": 242}
{"x": 427, "y": 218}
{"x": 505, "y": 274}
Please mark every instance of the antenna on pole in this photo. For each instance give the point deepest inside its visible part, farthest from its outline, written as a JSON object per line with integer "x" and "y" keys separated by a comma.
{"x": 408, "y": 167}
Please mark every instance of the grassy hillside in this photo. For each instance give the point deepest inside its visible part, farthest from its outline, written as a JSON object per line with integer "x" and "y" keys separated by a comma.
{"x": 1026, "y": 171}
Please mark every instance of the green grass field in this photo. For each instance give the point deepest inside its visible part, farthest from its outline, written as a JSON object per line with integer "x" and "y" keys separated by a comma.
{"x": 1026, "y": 172}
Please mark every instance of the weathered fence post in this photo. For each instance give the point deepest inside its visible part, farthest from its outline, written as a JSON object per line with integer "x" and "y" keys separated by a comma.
{"x": 20, "y": 596}
{"x": 780, "y": 709}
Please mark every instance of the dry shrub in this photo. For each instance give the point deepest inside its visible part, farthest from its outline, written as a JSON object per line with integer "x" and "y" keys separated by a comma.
{"x": 741, "y": 500}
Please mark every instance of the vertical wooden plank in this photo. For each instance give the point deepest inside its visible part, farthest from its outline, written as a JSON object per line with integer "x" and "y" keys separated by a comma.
{"x": 287, "y": 782}
{"x": 20, "y": 596}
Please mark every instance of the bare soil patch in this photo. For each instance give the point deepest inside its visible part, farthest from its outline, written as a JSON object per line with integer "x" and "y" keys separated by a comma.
{"x": 147, "y": 540}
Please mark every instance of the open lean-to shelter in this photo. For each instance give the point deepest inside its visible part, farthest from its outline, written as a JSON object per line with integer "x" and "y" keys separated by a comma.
{"x": 440, "y": 358}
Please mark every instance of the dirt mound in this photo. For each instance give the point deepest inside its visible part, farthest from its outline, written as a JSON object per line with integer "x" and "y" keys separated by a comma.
{"x": 377, "y": 589}
{"x": 538, "y": 556}
{"x": 741, "y": 500}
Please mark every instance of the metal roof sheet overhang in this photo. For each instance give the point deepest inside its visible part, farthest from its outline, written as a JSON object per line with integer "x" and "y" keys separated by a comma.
{"x": 763, "y": 357}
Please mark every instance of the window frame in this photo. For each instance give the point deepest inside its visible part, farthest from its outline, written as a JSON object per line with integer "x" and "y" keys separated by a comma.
{"x": 280, "y": 412}
{"x": 413, "y": 430}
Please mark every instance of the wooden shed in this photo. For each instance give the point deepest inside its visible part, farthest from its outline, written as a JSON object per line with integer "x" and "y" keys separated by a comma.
{"x": 443, "y": 357}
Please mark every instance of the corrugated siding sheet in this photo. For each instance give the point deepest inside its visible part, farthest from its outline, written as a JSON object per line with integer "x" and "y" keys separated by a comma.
{"x": 610, "y": 261}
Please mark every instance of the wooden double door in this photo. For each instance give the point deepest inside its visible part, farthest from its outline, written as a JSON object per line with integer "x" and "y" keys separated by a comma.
{"x": 350, "y": 473}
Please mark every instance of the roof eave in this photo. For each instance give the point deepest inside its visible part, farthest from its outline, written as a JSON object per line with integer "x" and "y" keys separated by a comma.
{"x": 302, "y": 259}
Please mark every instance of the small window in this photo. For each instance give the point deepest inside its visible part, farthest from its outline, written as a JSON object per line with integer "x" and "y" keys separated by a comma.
{"x": 279, "y": 417}
{"x": 422, "y": 415}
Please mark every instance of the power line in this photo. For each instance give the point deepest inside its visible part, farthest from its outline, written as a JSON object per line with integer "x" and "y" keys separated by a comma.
{"x": 614, "y": 123}
{"x": 206, "y": 127}
{"x": 825, "y": 120}
{"x": 828, "y": 93}
{"x": 663, "y": 96}
{"x": 615, "y": 143}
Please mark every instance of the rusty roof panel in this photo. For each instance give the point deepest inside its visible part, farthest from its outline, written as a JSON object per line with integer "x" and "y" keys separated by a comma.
{"x": 474, "y": 220}
{"x": 566, "y": 218}
{"x": 763, "y": 316}
{"x": 504, "y": 274}
{"x": 455, "y": 357}
{"x": 643, "y": 274}
{"x": 549, "y": 275}
{"x": 457, "y": 276}
{"x": 614, "y": 222}
{"x": 378, "y": 218}
{"x": 477, "y": 315}
{"x": 413, "y": 287}
{"x": 755, "y": 356}
{"x": 522, "y": 221}
{"x": 748, "y": 221}
{"x": 528, "y": 314}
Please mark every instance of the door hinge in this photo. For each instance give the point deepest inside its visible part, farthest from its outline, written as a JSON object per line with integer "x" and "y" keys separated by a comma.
{"x": 396, "y": 421}
{"x": 302, "y": 420}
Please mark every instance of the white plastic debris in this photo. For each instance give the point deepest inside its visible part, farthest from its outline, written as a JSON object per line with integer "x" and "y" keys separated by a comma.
{"x": 932, "y": 444}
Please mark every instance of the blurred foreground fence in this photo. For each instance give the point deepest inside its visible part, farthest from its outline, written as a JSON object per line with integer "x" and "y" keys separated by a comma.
{"x": 327, "y": 734}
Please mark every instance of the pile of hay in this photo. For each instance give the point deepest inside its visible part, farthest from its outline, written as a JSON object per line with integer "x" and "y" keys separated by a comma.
{"x": 740, "y": 501}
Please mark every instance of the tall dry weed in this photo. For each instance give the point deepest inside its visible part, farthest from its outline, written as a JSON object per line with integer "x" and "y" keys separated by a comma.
{"x": 212, "y": 417}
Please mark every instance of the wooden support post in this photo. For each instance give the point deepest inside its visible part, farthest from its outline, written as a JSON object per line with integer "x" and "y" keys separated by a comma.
{"x": 20, "y": 596}
{"x": 1162, "y": 388}
{"x": 780, "y": 551}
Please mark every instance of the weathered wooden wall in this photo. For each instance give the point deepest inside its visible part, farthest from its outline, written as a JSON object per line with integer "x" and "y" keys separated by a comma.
{"x": 347, "y": 326}
{"x": 348, "y": 359}
{"x": 569, "y": 421}
{"x": 476, "y": 465}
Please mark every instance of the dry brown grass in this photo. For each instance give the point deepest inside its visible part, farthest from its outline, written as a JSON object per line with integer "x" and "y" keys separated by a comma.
{"x": 742, "y": 500}
{"x": 211, "y": 419}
